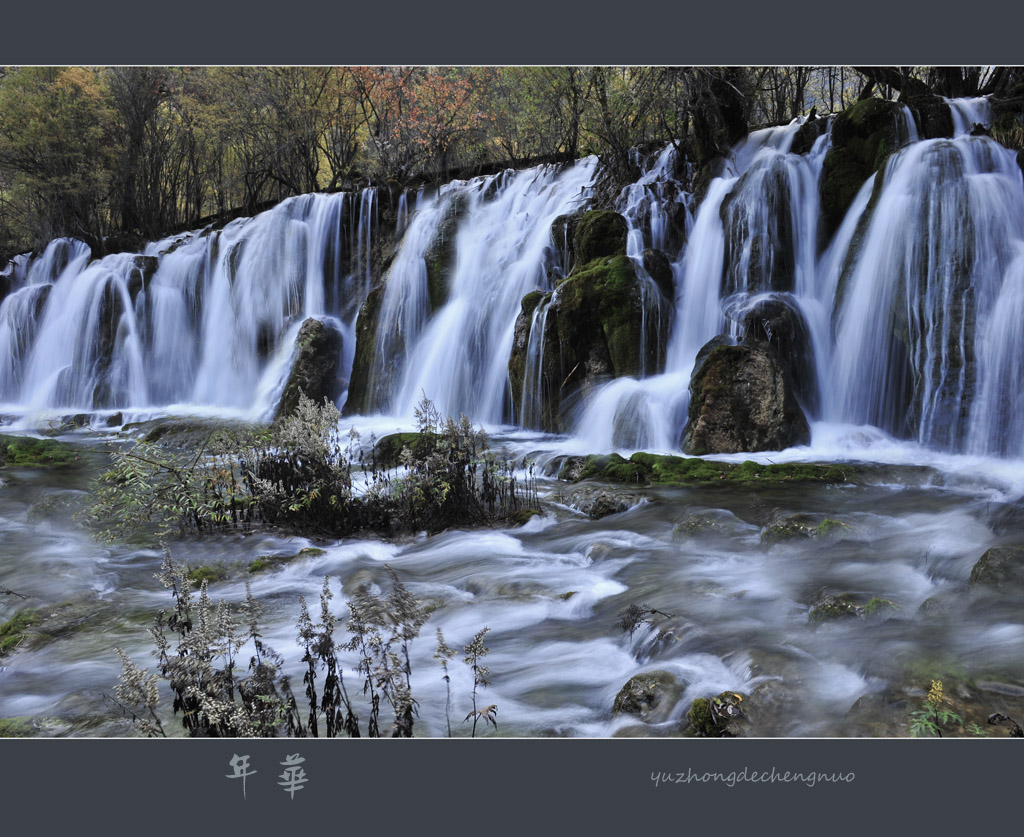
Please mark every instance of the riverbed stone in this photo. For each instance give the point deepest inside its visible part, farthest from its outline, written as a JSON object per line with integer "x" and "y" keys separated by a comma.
{"x": 651, "y": 695}
{"x": 1001, "y": 568}
{"x": 741, "y": 399}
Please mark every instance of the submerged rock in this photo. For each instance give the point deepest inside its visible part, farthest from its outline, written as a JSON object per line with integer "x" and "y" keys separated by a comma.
{"x": 716, "y": 717}
{"x": 741, "y": 399}
{"x": 599, "y": 503}
{"x": 315, "y": 367}
{"x": 1001, "y": 567}
{"x": 652, "y": 696}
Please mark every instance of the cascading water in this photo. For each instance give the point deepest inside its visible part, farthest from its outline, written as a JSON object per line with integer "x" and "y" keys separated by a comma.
{"x": 922, "y": 293}
{"x": 927, "y": 277}
{"x": 205, "y": 319}
{"x": 501, "y": 253}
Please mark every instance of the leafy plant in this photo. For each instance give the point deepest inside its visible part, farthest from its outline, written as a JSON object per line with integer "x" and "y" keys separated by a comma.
{"x": 934, "y": 714}
{"x": 308, "y": 477}
{"x": 196, "y": 648}
{"x": 476, "y": 651}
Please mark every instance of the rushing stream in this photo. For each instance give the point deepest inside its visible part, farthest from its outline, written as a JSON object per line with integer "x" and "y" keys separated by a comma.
{"x": 205, "y": 324}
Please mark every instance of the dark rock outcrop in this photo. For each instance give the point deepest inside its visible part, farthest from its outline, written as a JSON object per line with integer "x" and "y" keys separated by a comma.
{"x": 776, "y": 322}
{"x": 314, "y": 370}
{"x": 651, "y": 696}
{"x": 602, "y": 322}
{"x": 741, "y": 399}
{"x": 863, "y": 137}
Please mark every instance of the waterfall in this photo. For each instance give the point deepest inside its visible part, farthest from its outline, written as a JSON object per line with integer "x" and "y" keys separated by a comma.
{"x": 910, "y": 314}
{"x": 923, "y": 289}
{"x": 206, "y": 318}
{"x": 503, "y": 251}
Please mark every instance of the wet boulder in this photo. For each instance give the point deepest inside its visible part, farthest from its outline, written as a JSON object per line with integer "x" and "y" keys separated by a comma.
{"x": 863, "y": 137}
{"x": 598, "y": 503}
{"x": 440, "y": 255}
{"x": 652, "y": 696}
{"x": 717, "y": 717}
{"x": 931, "y": 111}
{"x": 741, "y": 399}
{"x": 315, "y": 366}
{"x": 600, "y": 233}
{"x": 520, "y": 346}
{"x": 602, "y": 322}
{"x": 778, "y": 323}
{"x": 659, "y": 268}
{"x": 563, "y": 236}
{"x": 367, "y": 391}
{"x": 1001, "y": 567}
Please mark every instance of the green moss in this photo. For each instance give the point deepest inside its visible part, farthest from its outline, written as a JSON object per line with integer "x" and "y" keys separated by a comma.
{"x": 26, "y": 452}
{"x": 267, "y": 562}
{"x": 600, "y": 232}
{"x": 604, "y": 294}
{"x": 205, "y": 573}
{"x": 831, "y": 608}
{"x": 388, "y": 451}
{"x": 831, "y": 528}
{"x": 16, "y": 728}
{"x": 12, "y": 632}
{"x": 664, "y": 469}
{"x": 524, "y": 515}
{"x": 713, "y": 718}
{"x": 880, "y": 606}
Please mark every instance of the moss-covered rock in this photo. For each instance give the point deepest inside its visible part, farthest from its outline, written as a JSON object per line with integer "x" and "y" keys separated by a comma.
{"x": 651, "y": 696}
{"x": 600, "y": 233}
{"x": 12, "y": 632}
{"x": 1001, "y": 567}
{"x": 269, "y": 562}
{"x": 520, "y": 347}
{"x": 741, "y": 399}
{"x": 563, "y": 236}
{"x": 829, "y": 608}
{"x": 602, "y": 322}
{"x": 17, "y": 728}
{"x": 863, "y": 137}
{"x": 659, "y": 268}
{"x": 931, "y": 112}
{"x": 715, "y": 717}
{"x": 662, "y": 469}
{"x": 367, "y": 392}
{"x": 315, "y": 369}
{"x": 441, "y": 254}
{"x": 599, "y": 503}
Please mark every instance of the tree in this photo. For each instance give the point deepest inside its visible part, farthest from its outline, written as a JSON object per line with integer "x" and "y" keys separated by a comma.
{"x": 55, "y": 143}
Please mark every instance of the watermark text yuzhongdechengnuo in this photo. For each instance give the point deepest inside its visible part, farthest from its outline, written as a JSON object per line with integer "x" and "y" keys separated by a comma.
{"x": 749, "y": 776}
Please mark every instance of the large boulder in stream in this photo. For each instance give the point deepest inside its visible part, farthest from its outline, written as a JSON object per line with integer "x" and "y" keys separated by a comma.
{"x": 1002, "y": 568}
{"x": 777, "y": 322}
{"x": 741, "y": 399}
{"x": 603, "y": 321}
{"x": 315, "y": 367}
